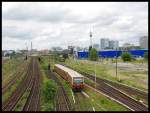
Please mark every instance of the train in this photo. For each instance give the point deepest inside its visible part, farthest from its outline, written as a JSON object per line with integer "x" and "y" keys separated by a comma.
{"x": 75, "y": 79}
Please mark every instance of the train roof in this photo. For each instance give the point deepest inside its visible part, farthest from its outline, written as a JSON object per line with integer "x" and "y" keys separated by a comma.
{"x": 71, "y": 72}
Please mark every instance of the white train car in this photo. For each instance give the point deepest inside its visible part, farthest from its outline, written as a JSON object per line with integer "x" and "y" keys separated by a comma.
{"x": 75, "y": 79}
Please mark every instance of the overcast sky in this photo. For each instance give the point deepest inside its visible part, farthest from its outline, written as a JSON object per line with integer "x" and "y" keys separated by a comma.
{"x": 49, "y": 24}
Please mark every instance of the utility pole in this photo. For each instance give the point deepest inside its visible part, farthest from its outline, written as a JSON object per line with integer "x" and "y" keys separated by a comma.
{"x": 116, "y": 64}
{"x": 31, "y": 48}
{"x": 90, "y": 38}
{"x": 95, "y": 75}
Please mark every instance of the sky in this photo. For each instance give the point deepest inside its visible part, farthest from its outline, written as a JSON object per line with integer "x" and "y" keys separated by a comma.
{"x": 52, "y": 24}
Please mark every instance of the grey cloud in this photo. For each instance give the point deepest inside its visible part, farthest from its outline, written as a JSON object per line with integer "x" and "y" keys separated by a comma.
{"x": 56, "y": 25}
{"x": 24, "y": 12}
{"x": 16, "y": 33}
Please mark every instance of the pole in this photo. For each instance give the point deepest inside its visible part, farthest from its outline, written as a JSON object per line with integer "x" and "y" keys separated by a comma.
{"x": 95, "y": 75}
{"x": 116, "y": 63}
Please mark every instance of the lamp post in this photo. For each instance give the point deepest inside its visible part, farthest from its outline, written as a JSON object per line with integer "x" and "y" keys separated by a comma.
{"x": 95, "y": 74}
{"x": 116, "y": 65}
{"x": 116, "y": 62}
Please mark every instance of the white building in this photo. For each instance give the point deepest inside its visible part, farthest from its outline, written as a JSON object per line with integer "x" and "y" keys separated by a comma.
{"x": 96, "y": 46}
{"x": 104, "y": 42}
{"x": 144, "y": 42}
{"x": 113, "y": 44}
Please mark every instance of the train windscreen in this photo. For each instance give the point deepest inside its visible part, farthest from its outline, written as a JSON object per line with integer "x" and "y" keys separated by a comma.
{"x": 78, "y": 80}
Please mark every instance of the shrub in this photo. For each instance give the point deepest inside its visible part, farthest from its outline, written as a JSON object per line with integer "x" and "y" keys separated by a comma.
{"x": 126, "y": 56}
{"x": 93, "y": 55}
{"x": 49, "y": 90}
{"x": 146, "y": 56}
{"x": 48, "y": 107}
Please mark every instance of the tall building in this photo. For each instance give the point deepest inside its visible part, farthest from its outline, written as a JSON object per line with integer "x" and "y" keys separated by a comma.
{"x": 111, "y": 44}
{"x": 144, "y": 42}
{"x": 116, "y": 44}
{"x": 104, "y": 43}
{"x": 96, "y": 46}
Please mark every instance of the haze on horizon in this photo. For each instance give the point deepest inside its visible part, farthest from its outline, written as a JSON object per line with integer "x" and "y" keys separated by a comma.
{"x": 50, "y": 24}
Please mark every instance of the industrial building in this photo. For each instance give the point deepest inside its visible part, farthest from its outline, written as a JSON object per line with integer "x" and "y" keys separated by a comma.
{"x": 112, "y": 53}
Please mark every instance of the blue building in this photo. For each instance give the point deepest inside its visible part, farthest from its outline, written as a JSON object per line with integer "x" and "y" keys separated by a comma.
{"x": 112, "y": 53}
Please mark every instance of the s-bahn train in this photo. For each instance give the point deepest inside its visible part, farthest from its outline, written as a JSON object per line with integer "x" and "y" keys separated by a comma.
{"x": 75, "y": 79}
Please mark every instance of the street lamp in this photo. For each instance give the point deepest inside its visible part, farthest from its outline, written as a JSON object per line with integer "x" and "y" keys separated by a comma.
{"x": 95, "y": 74}
{"x": 116, "y": 64}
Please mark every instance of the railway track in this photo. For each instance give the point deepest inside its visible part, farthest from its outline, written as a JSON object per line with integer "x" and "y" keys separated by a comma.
{"x": 16, "y": 76}
{"x": 117, "y": 95}
{"x": 126, "y": 89}
{"x": 30, "y": 81}
{"x": 62, "y": 100}
{"x": 10, "y": 103}
{"x": 81, "y": 102}
{"x": 33, "y": 101}
{"x": 126, "y": 100}
{"x": 14, "y": 71}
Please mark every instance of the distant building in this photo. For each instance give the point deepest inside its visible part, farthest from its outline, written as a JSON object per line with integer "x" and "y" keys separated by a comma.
{"x": 104, "y": 43}
{"x": 44, "y": 52}
{"x": 96, "y": 46}
{"x": 144, "y": 42}
{"x": 108, "y": 44}
{"x": 113, "y": 44}
{"x": 58, "y": 49}
{"x": 7, "y": 52}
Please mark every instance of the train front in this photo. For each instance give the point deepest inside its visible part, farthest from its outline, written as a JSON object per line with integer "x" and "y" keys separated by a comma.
{"x": 78, "y": 83}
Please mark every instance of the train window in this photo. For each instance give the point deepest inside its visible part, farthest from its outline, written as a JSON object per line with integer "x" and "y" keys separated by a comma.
{"x": 78, "y": 80}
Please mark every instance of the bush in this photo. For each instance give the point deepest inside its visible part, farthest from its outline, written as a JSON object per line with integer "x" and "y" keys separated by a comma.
{"x": 146, "y": 56}
{"x": 93, "y": 55}
{"x": 48, "y": 107}
{"x": 49, "y": 90}
{"x": 126, "y": 56}
{"x": 65, "y": 56}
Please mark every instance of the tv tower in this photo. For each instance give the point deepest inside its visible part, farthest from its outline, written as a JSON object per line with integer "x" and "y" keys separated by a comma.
{"x": 90, "y": 37}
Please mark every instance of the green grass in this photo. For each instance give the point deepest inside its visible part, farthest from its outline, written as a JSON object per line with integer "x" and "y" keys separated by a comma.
{"x": 10, "y": 67}
{"x": 102, "y": 72}
{"x": 102, "y": 103}
{"x": 45, "y": 105}
{"x": 12, "y": 88}
{"x": 19, "y": 106}
{"x": 67, "y": 89}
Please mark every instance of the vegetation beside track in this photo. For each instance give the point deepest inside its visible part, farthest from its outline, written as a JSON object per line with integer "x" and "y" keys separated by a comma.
{"x": 85, "y": 105}
{"x": 102, "y": 103}
{"x": 108, "y": 72}
{"x": 48, "y": 88}
{"x": 13, "y": 87}
{"x": 9, "y": 68}
{"x": 19, "y": 106}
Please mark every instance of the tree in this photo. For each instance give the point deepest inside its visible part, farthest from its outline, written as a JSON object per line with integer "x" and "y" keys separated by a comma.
{"x": 65, "y": 56}
{"x": 146, "y": 55}
{"x": 90, "y": 47}
{"x": 93, "y": 54}
{"x": 126, "y": 56}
